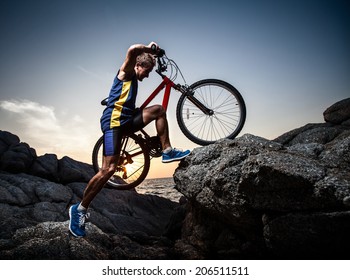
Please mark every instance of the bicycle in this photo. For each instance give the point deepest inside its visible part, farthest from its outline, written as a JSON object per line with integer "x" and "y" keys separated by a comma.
{"x": 207, "y": 111}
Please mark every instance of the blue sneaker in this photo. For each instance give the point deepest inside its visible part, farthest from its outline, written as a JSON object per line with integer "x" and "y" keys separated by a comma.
{"x": 77, "y": 221}
{"x": 174, "y": 155}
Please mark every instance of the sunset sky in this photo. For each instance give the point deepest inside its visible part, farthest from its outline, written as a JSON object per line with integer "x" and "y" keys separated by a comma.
{"x": 289, "y": 59}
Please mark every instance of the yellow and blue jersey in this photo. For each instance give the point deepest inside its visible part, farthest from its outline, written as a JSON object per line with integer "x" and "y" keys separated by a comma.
{"x": 121, "y": 104}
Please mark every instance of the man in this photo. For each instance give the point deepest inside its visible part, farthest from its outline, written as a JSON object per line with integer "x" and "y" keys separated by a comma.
{"x": 120, "y": 117}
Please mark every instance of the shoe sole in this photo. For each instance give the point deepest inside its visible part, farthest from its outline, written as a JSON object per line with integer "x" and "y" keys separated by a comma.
{"x": 70, "y": 219}
{"x": 175, "y": 159}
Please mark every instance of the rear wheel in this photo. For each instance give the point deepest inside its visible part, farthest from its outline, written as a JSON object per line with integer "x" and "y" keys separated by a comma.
{"x": 224, "y": 117}
{"x": 133, "y": 164}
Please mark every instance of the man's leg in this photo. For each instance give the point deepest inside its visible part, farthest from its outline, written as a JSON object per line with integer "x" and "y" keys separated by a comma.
{"x": 78, "y": 212}
{"x": 157, "y": 113}
{"x": 111, "y": 150}
{"x": 95, "y": 185}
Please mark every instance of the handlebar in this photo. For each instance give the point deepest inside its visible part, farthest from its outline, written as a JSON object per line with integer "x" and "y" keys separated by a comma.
{"x": 158, "y": 51}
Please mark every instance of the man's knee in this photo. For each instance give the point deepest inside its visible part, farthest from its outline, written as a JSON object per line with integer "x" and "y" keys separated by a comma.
{"x": 160, "y": 111}
{"x": 152, "y": 113}
{"x": 108, "y": 170}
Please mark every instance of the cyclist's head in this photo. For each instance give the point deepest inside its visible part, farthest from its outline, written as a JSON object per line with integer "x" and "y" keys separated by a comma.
{"x": 144, "y": 65}
{"x": 146, "y": 60}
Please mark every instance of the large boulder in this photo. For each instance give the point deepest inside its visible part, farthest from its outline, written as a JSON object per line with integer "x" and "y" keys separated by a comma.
{"x": 17, "y": 158}
{"x": 257, "y": 198}
{"x": 46, "y": 166}
{"x": 7, "y": 139}
{"x": 70, "y": 170}
{"x": 338, "y": 113}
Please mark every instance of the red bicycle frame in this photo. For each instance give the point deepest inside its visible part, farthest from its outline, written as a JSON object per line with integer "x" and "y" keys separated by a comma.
{"x": 168, "y": 84}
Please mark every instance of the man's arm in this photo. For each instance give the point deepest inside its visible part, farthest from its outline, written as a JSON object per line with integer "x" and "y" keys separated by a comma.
{"x": 127, "y": 69}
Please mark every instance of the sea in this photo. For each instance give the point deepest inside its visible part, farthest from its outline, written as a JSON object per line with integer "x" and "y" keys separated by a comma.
{"x": 163, "y": 187}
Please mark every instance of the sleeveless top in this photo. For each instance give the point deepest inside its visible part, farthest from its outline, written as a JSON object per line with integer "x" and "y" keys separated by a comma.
{"x": 121, "y": 104}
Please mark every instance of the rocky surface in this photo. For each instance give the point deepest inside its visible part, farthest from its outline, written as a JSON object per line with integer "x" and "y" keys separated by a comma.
{"x": 255, "y": 198}
{"x": 35, "y": 195}
{"x": 51, "y": 241}
{"x": 248, "y": 198}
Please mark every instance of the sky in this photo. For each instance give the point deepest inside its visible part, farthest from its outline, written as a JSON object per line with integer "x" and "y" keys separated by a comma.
{"x": 289, "y": 59}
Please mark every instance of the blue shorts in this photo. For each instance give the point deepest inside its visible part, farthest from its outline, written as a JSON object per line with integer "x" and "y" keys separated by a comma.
{"x": 112, "y": 138}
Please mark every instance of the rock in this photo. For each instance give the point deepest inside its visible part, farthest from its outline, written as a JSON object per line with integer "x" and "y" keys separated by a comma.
{"x": 256, "y": 198}
{"x": 7, "y": 139}
{"x": 280, "y": 182}
{"x": 123, "y": 211}
{"x": 315, "y": 235}
{"x": 310, "y": 133}
{"x": 138, "y": 246}
{"x": 26, "y": 200}
{"x": 36, "y": 193}
{"x": 338, "y": 113}
{"x": 70, "y": 171}
{"x": 52, "y": 241}
{"x": 18, "y": 158}
{"x": 34, "y": 214}
{"x": 46, "y": 166}
{"x": 337, "y": 153}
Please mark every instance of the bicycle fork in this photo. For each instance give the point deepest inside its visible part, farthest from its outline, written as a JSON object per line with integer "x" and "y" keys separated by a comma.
{"x": 186, "y": 90}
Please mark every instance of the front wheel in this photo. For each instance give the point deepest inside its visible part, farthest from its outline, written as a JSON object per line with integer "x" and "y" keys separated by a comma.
{"x": 133, "y": 164}
{"x": 223, "y": 117}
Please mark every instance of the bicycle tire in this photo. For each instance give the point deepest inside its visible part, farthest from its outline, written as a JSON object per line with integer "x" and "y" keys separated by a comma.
{"x": 138, "y": 170}
{"x": 228, "y": 112}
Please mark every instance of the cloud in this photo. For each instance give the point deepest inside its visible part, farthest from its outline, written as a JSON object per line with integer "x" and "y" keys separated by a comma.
{"x": 26, "y": 106}
{"x": 33, "y": 115}
{"x": 42, "y": 129}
